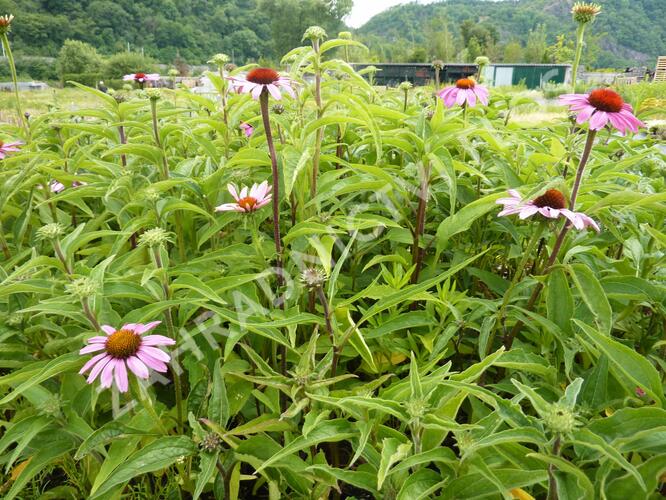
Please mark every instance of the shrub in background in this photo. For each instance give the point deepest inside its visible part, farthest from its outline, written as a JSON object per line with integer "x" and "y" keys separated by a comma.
{"x": 125, "y": 63}
{"x": 78, "y": 57}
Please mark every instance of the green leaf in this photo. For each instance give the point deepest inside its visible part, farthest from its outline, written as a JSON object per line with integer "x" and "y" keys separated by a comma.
{"x": 464, "y": 218}
{"x": 422, "y": 484}
{"x": 593, "y": 295}
{"x": 633, "y": 369}
{"x": 207, "y": 468}
{"x": 392, "y": 452}
{"x": 559, "y": 301}
{"x": 159, "y": 454}
{"x": 218, "y": 406}
{"x": 109, "y": 432}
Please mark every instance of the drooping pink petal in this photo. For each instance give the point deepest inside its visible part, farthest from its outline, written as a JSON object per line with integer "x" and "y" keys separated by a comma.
{"x": 157, "y": 340}
{"x": 151, "y": 362}
{"x": 599, "y": 120}
{"x": 585, "y": 114}
{"x": 121, "y": 375}
{"x": 233, "y": 192}
{"x": 138, "y": 367}
{"x": 89, "y": 364}
{"x": 97, "y": 340}
{"x": 101, "y": 364}
{"x": 256, "y": 91}
{"x": 527, "y": 211}
{"x": 471, "y": 97}
{"x": 155, "y": 353}
{"x": 92, "y": 348}
{"x": 106, "y": 379}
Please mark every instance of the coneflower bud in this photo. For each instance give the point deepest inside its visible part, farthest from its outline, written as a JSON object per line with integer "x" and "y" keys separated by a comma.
{"x": 584, "y": 12}
{"x": 173, "y": 72}
{"x": 345, "y": 35}
{"x": 210, "y": 443}
{"x": 154, "y": 237}
{"x": 560, "y": 419}
{"x": 5, "y": 23}
{"x": 314, "y": 34}
{"x": 51, "y": 231}
{"x": 313, "y": 277}
{"x": 278, "y": 109}
{"x": 153, "y": 94}
{"x": 219, "y": 60}
{"x": 82, "y": 288}
{"x": 437, "y": 64}
{"x": 405, "y": 86}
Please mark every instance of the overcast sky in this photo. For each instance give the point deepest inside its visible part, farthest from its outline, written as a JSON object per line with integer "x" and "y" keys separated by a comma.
{"x": 363, "y": 10}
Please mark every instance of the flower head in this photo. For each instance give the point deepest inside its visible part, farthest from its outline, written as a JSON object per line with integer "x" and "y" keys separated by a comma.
{"x": 313, "y": 277}
{"x": 247, "y": 200}
{"x": 51, "y": 231}
{"x": 8, "y": 147}
{"x": 314, "y": 33}
{"x": 247, "y": 129}
{"x": 405, "y": 86}
{"x": 6, "y": 23}
{"x": 560, "y": 419}
{"x": 551, "y": 204}
{"x": 154, "y": 237}
{"x": 125, "y": 348}
{"x": 56, "y": 187}
{"x": 82, "y": 288}
{"x": 437, "y": 64}
{"x": 153, "y": 94}
{"x": 584, "y": 12}
{"x": 600, "y": 107}
{"x": 481, "y": 61}
{"x": 210, "y": 443}
{"x": 219, "y": 60}
{"x": 142, "y": 77}
{"x": 259, "y": 80}
{"x": 345, "y": 35}
{"x": 465, "y": 92}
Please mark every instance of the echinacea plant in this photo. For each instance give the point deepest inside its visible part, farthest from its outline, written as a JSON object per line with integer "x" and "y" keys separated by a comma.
{"x": 125, "y": 349}
{"x": 465, "y": 92}
{"x": 583, "y": 13}
{"x": 9, "y": 147}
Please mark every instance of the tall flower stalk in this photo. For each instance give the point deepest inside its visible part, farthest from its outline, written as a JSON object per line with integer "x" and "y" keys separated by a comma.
{"x": 316, "y": 35}
{"x": 5, "y": 28}
{"x": 417, "y": 253}
{"x": 583, "y": 14}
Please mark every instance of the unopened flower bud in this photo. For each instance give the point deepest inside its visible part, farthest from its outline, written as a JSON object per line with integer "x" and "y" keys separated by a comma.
{"x": 210, "y": 443}
{"x": 154, "y": 237}
{"x": 313, "y": 277}
{"x": 278, "y": 109}
{"x": 314, "y": 33}
{"x": 405, "y": 86}
{"x": 51, "y": 231}
{"x": 153, "y": 94}
{"x": 173, "y": 72}
{"x": 561, "y": 419}
{"x": 82, "y": 288}
{"x": 345, "y": 35}
{"x": 219, "y": 60}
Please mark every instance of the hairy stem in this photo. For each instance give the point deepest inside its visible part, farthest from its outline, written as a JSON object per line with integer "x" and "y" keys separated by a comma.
{"x": 417, "y": 254}
{"x": 12, "y": 67}
{"x": 579, "y": 51}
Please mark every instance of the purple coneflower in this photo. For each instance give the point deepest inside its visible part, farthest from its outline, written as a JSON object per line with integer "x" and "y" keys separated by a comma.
{"x": 56, "y": 187}
{"x": 247, "y": 200}
{"x": 259, "y": 79}
{"x": 9, "y": 147}
{"x": 125, "y": 348}
{"x": 465, "y": 92}
{"x": 600, "y": 107}
{"x": 247, "y": 129}
{"x": 142, "y": 78}
{"x": 551, "y": 204}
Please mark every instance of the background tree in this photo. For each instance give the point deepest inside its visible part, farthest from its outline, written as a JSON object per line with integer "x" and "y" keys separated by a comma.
{"x": 513, "y": 52}
{"x": 535, "y": 49}
{"x": 78, "y": 57}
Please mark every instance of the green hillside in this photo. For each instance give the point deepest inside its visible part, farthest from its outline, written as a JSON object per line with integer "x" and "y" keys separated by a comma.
{"x": 626, "y": 33}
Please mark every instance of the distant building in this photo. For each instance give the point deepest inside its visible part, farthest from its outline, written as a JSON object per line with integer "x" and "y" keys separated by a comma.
{"x": 391, "y": 74}
{"x": 9, "y": 86}
{"x": 534, "y": 76}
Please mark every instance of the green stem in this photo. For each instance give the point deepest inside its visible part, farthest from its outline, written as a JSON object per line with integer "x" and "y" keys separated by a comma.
{"x": 139, "y": 393}
{"x": 579, "y": 51}
{"x": 10, "y": 57}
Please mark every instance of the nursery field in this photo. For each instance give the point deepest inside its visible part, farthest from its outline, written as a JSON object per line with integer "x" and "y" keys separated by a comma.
{"x": 306, "y": 287}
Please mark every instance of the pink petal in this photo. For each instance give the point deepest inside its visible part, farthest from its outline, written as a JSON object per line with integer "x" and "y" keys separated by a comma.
{"x": 92, "y": 348}
{"x": 157, "y": 340}
{"x": 141, "y": 328}
{"x": 228, "y": 207}
{"x": 232, "y": 190}
{"x": 256, "y": 91}
{"x": 471, "y": 97}
{"x": 461, "y": 96}
{"x": 585, "y": 114}
{"x": 121, "y": 375}
{"x": 91, "y": 362}
{"x": 274, "y": 91}
{"x": 155, "y": 353}
{"x": 151, "y": 362}
{"x": 98, "y": 368}
{"x": 108, "y": 329}
{"x": 138, "y": 367}
{"x": 527, "y": 211}
{"x": 106, "y": 379}
{"x": 599, "y": 120}
{"x": 97, "y": 340}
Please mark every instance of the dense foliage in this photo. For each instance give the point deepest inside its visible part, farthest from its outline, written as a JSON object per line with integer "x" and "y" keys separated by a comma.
{"x": 164, "y": 29}
{"x": 627, "y": 32}
{"x": 377, "y": 365}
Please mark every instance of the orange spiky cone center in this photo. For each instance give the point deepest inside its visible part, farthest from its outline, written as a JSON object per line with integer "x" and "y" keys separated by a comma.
{"x": 606, "y": 100}
{"x": 465, "y": 83}
{"x": 247, "y": 203}
{"x": 263, "y": 76}
{"x": 551, "y": 198}
{"x": 123, "y": 344}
